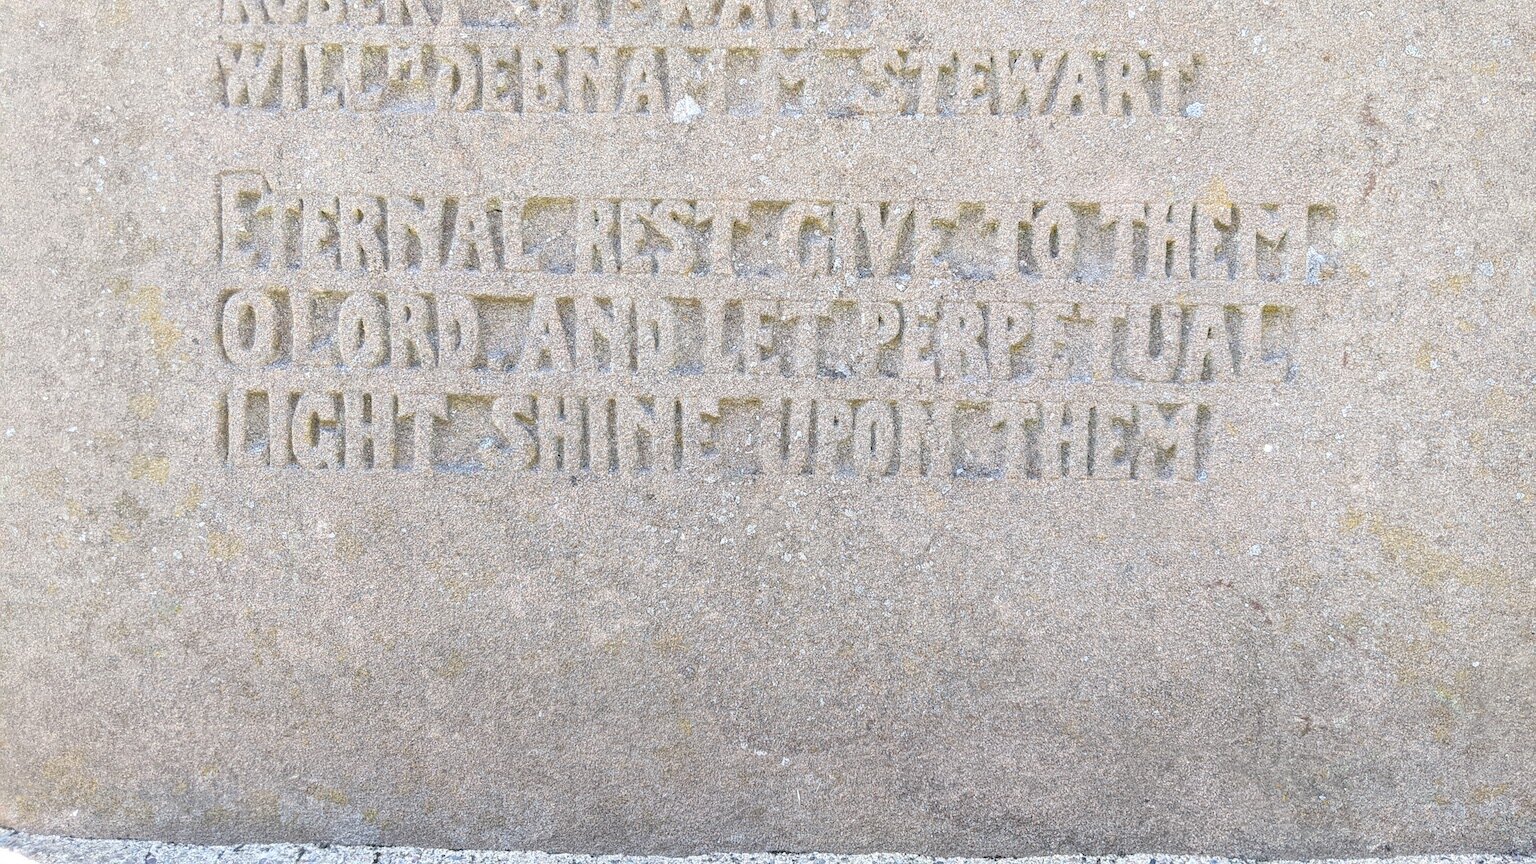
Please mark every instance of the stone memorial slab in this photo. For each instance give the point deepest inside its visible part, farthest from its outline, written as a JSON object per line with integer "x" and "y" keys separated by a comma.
{"x": 669, "y": 426}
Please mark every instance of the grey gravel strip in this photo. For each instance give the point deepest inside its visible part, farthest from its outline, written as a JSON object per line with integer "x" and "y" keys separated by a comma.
{"x": 21, "y": 848}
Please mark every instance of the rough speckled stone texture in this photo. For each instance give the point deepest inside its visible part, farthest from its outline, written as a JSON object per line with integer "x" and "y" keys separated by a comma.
{"x": 959, "y": 427}
{"x": 34, "y": 849}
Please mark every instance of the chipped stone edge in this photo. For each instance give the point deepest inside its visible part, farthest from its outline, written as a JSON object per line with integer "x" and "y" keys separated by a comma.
{"x": 18, "y": 847}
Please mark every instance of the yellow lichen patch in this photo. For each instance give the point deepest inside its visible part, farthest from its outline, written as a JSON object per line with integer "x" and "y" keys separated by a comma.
{"x": 328, "y": 795}
{"x": 1350, "y": 240}
{"x": 454, "y": 666}
{"x": 349, "y": 546}
{"x": 69, "y": 779}
{"x": 46, "y": 482}
{"x": 1450, "y": 286}
{"x": 149, "y": 300}
{"x": 1484, "y": 794}
{"x": 113, "y": 13}
{"x": 1441, "y": 725}
{"x": 458, "y": 592}
{"x": 224, "y": 546}
{"x": 1409, "y": 658}
{"x": 1351, "y": 520}
{"x": 1419, "y": 557}
{"x": 1215, "y": 194}
{"x": 1303, "y": 576}
{"x": 1424, "y": 360}
{"x": 190, "y": 501}
{"x": 265, "y": 806}
{"x": 1354, "y": 624}
{"x": 129, "y": 509}
{"x": 142, "y": 406}
{"x": 163, "y": 335}
{"x": 1502, "y": 406}
{"x": 459, "y": 586}
{"x": 670, "y": 644}
{"x": 156, "y": 469}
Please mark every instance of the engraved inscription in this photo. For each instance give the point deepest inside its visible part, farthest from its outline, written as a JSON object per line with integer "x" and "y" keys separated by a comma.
{"x": 1085, "y": 241}
{"x": 553, "y": 334}
{"x": 998, "y": 343}
{"x": 685, "y": 15}
{"x": 753, "y": 431}
{"x": 711, "y": 72}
